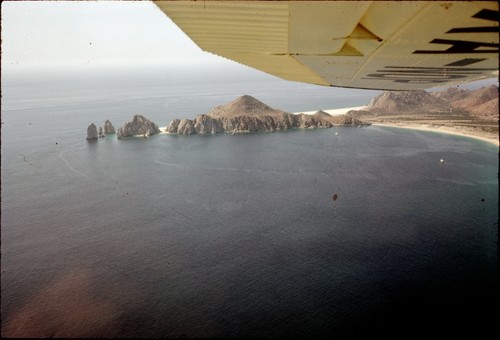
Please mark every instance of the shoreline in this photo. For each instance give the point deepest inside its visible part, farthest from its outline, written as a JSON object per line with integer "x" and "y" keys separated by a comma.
{"x": 402, "y": 125}
{"x": 333, "y": 112}
{"x": 439, "y": 129}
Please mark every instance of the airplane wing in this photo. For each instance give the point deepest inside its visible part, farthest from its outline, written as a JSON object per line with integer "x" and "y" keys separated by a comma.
{"x": 387, "y": 45}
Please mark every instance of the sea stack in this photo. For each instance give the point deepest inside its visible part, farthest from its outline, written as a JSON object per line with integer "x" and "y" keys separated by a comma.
{"x": 92, "y": 132}
{"x": 108, "y": 128}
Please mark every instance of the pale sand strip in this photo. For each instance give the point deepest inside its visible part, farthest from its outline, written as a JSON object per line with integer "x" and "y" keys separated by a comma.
{"x": 334, "y": 112}
{"x": 440, "y": 129}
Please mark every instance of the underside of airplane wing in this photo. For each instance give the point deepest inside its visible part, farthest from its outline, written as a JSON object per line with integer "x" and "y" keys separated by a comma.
{"x": 387, "y": 45}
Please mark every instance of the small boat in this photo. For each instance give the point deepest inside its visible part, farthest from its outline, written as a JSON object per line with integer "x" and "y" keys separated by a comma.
{"x": 442, "y": 160}
{"x": 336, "y": 133}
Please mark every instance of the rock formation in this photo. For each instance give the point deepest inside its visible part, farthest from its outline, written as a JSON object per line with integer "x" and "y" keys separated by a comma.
{"x": 247, "y": 114}
{"x": 108, "y": 128}
{"x": 482, "y": 103}
{"x": 101, "y": 133}
{"x": 349, "y": 119}
{"x": 138, "y": 126}
{"x": 206, "y": 124}
{"x": 92, "y": 132}
{"x": 406, "y": 101}
{"x": 470, "y": 111}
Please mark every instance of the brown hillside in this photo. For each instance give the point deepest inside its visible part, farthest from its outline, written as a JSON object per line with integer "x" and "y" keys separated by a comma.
{"x": 244, "y": 105}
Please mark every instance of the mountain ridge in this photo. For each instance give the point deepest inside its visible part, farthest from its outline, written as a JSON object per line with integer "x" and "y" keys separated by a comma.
{"x": 247, "y": 114}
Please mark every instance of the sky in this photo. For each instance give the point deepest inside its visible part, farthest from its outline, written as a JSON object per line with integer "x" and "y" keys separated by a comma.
{"x": 76, "y": 33}
{"x": 92, "y": 34}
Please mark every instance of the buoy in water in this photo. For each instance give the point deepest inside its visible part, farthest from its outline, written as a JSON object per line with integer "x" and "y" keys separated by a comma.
{"x": 442, "y": 160}
{"x": 334, "y": 197}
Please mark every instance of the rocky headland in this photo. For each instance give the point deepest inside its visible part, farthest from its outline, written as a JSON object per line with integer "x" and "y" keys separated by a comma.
{"x": 246, "y": 114}
{"x": 468, "y": 112}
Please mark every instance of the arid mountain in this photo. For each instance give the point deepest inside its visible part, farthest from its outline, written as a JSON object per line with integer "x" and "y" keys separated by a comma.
{"x": 487, "y": 110}
{"x": 247, "y": 114}
{"x": 472, "y": 111}
{"x": 244, "y": 105}
{"x": 408, "y": 101}
{"x": 482, "y": 102}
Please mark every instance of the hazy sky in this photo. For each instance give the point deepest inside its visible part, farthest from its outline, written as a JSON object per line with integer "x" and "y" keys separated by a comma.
{"x": 45, "y": 33}
{"x": 72, "y": 34}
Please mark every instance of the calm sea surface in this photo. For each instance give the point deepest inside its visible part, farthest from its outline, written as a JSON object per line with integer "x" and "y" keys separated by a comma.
{"x": 237, "y": 236}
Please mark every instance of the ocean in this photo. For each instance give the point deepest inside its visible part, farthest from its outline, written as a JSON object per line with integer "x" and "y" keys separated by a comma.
{"x": 236, "y": 235}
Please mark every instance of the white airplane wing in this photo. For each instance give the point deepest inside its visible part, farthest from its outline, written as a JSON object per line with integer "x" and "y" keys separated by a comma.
{"x": 387, "y": 45}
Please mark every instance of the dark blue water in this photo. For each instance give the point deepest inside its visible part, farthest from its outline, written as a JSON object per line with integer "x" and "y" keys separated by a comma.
{"x": 238, "y": 235}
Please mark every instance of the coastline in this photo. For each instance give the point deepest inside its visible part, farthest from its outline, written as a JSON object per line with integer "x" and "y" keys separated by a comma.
{"x": 422, "y": 127}
{"x": 331, "y": 112}
{"x": 440, "y": 129}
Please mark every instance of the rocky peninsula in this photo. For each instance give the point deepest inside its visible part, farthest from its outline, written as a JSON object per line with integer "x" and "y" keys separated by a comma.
{"x": 473, "y": 113}
{"x": 246, "y": 114}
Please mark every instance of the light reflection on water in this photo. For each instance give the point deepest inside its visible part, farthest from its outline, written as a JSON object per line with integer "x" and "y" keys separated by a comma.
{"x": 232, "y": 236}
{"x": 236, "y": 235}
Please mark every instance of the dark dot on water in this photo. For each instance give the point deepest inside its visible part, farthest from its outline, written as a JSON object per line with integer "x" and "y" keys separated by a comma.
{"x": 482, "y": 199}
{"x": 334, "y": 197}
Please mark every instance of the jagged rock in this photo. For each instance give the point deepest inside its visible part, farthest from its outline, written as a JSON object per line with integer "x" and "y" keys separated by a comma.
{"x": 350, "y": 119}
{"x": 101, "y": 134}
{"x": 247, "y": 114}
{"x": 207, "y": 124}
{"x": 172, "y": 127}
{"x": 108, "y": 128}
{"x": 138, "y": 126}
{"x": 186, "y": 127}
{"x": 92, "y": 132}
{"x": 318, "y": 119}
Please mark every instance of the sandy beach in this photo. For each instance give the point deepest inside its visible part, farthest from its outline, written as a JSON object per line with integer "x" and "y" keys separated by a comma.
{"x": 423, "y": 127}
{"x": 441, "y": 129}
{"x": 459, "y": 131}
{"x": 334, "y": 112}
